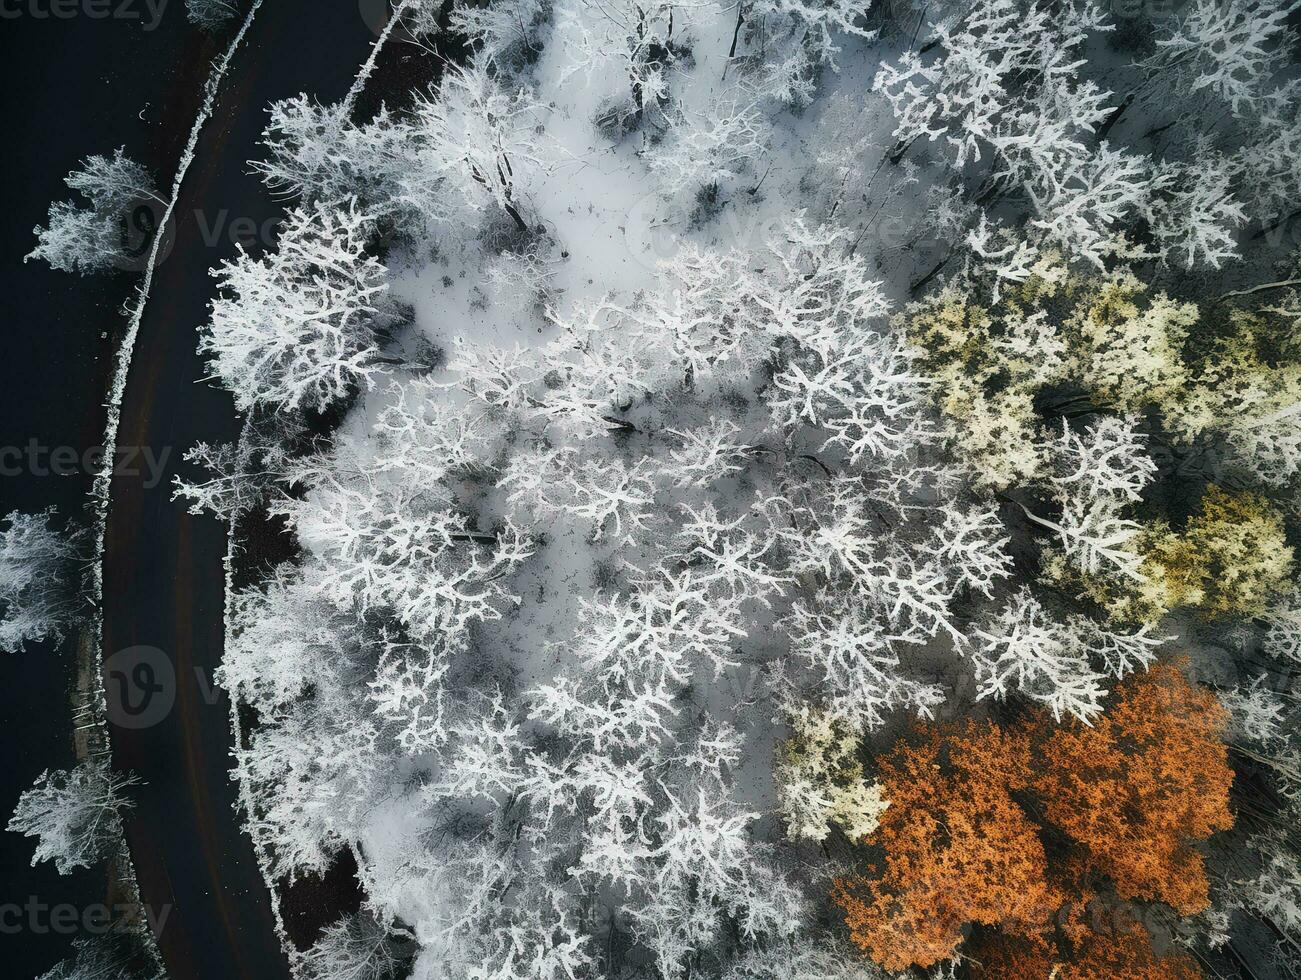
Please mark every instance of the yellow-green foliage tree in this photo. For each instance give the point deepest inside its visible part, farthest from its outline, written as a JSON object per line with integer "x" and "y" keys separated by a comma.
{"x": 1214, "y": 370}
{"x": 1247, "y": 390}
{"x": 989, "y": 363}
{"x": 1231, "y": 559}
{"x": 1127, "y": 342}
{"x": 820, "y": 780}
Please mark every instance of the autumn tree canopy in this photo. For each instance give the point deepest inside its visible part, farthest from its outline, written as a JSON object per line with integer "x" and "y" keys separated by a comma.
{"x": 1137, "y": 789}
{"x": 1124, "y": 803}
{"x": 958, "y": 849}
{"x": 1124, "y": 955}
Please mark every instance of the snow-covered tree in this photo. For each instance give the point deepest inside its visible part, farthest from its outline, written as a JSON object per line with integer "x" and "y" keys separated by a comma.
{"x": 76, "y": 815}
{"x": 825, "y": 21}
{"x": 1082, "y": 200}
{"x": 405, "y": 549}
{"x": 999, "y": 64}
{"x": 485, "y": 754}
{"x": 1107, "y": 463}
{"x": 112, "y": 956}
{"x": 783, "y": 44}
{"x": 1004, "y": 95}
{"x": 237, "y": 477}
{"x": 1233, "y": 48}
{"x": 1257, "y": 715}
{"x": 96, "y": 236}
{"x": 311, "y": 771}
{"x": 1269, "y": 163}
{"x": 298, "y": 327}
{"x": 731, "y": 559}
{"x": 1024, "y": 650}
{"x": 710, "y": 149}
{"x": 838, "y": 541}
{"x": 505, "y": 32}
{"x": 860, "y": 664}
{"x": 705, "y": 865}
{"x": 1274, "y": 893}
{"x": 38, "y": 594}
{"x": 628, "y": 47}
{"x": 476, "y": 149}
{"x": 1117, "y": 653}
{"x": 1283, "y": 638}
{"x": 636, "y": 652}
{"x": 211, "y": 15}
{"x": 610, "y": 498}
{"x": 707, "y": 454}
{"x": 1097, "y": 473}
{"x": 284, "y": 639}
{"x": 408, "y": 693}
{"x": 480, "y": 913}
{"x": 1193, "y": 212}
{"x": 356, "y": 947}
{"x": 318, "y": 154}
{"x": 971, "y": 544}
{"x": 1098, "y": 541}
{"x": 806, "y": 958}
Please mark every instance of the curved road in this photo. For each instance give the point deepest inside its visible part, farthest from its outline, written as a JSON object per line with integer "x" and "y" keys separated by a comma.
{"x": 163, "y": 574}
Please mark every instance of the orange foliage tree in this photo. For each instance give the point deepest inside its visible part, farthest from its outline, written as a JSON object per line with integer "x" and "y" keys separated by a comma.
{"x": 957, "y": 847}
{"x": 1133, "y": 794}
{"x": 1126, "y": 955}
{"x": 1137, "y": 789}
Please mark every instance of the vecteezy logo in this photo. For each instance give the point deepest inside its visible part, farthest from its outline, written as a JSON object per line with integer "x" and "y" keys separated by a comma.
{"x": 140, "y": 684}
{"x": 649, "y": 234}
{"x": 376, "y": 14}
{"x": 656, "y": 230}
{"x": 138, "y": 226}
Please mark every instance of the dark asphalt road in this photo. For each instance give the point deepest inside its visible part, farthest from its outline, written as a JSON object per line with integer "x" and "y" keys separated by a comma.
{"x": 163, "y": 574}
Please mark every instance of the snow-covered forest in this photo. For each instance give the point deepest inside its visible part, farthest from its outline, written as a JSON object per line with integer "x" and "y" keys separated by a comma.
{"x": 778, "y": 490}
